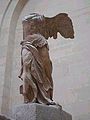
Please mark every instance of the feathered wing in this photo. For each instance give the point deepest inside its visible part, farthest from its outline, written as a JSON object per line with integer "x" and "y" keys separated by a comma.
{"x": 60, "y": 23}
{"x": 48, "y": 27}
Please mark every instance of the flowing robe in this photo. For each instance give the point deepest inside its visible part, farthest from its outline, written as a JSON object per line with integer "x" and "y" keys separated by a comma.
{"x": 36, "y": 69}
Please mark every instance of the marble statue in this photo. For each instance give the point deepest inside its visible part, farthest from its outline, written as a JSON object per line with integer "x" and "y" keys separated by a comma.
{"x": 36, "y": 66}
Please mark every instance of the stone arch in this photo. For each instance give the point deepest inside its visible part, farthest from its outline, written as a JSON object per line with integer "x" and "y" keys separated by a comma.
{"x": 4, "y": 15}
{"x": 9, "y": 55}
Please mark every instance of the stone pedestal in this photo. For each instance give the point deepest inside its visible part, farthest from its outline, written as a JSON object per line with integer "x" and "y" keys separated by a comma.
{"x": 35, "y": 111}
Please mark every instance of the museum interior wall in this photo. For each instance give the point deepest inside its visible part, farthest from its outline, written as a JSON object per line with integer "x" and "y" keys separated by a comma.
{"x": 70, "y": 58}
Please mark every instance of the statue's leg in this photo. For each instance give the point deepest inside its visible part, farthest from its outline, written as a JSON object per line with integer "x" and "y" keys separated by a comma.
{"x": 44, "y": 53}
{"x": 25, "y": 91}
{"x": 34, "y": 88}
{"x": 27, "y": 77}
{"x": 48, "y": 71}
{"x": 28, "y": 82}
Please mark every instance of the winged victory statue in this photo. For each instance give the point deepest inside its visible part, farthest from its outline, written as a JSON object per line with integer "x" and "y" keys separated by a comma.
{"x": 36, "y": 66}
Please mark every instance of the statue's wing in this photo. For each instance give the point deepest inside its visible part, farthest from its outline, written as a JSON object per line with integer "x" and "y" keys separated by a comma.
{"x": 48, "y": 27}
{"x": 60, "y": 23}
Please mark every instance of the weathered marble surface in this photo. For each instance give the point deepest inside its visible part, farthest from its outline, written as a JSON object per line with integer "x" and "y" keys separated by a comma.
{"x": 39, "y": 112}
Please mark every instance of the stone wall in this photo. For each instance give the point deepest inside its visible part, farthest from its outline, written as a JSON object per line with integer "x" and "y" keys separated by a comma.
{"x": 71, "y": 59}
